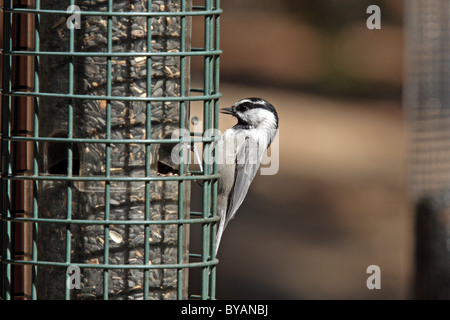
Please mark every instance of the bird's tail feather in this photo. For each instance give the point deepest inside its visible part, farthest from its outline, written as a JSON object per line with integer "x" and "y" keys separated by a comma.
{"x": 219, "y": 234}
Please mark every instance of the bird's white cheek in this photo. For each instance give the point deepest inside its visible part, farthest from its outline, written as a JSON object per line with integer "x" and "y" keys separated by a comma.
{"x": 241, "y": 115}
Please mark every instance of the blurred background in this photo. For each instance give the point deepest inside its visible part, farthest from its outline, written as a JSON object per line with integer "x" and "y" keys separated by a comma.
{"x": 338, "y": 203}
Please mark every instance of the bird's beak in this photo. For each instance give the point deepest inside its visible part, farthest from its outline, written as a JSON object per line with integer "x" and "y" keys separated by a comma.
{"x": 227, "y": 110}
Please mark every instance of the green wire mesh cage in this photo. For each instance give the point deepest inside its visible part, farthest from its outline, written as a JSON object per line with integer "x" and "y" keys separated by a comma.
{"x": 95, "y": 96}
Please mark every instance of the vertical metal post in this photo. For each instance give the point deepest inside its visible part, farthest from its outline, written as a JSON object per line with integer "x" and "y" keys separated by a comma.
{"x": 148, "y": 128}
{"x": 36, "y": 154}
{"x": 216, "y": 87}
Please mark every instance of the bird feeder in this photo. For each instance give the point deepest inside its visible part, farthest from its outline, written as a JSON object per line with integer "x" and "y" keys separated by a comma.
{"x": 99, "y": 209}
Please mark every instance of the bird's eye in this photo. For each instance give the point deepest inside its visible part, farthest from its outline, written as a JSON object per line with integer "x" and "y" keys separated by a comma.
{"x": 243, "y": 107}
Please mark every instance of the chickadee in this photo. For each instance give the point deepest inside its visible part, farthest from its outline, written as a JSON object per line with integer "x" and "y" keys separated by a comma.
{"x": 239, "y": 152}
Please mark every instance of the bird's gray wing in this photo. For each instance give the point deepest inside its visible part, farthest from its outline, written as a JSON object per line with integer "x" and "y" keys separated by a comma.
{"x": 248, "y": 159}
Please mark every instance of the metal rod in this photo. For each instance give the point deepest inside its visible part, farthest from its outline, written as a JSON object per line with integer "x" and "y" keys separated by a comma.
{"x": 117, "y": 98}
{"x": 101, "y": 178}
{"x": 115, "y": 222}
{"x": 114, "y": 266}
{"x": 112, "y": 13}
{"x": 148, "y": 127}
{"x": 193, "y": 52}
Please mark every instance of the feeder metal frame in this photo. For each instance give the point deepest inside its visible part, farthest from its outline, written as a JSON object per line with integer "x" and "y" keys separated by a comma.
{"x": 10, "y": 177}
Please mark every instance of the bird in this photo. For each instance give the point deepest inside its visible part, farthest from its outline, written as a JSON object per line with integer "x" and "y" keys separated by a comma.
{"x": 238, "y": 154}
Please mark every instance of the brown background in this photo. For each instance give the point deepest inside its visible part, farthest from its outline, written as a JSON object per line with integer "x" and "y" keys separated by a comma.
{"x": 339, "y": 202}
